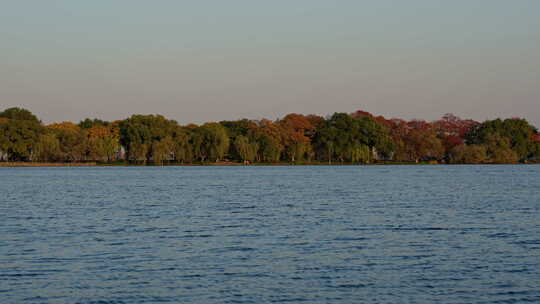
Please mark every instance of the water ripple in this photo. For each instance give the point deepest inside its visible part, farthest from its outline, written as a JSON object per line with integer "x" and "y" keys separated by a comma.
{"x": 404, "y": 234}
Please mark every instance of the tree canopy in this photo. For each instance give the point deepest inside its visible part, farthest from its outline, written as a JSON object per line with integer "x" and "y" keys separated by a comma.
{"x": 355, "y": 138}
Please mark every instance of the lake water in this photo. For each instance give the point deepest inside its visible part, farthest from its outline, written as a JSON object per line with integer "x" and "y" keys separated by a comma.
{"x": 351, "y": 234}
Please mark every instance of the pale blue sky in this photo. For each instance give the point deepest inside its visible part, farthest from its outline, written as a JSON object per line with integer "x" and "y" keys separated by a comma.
{"x": 197, "y": 61}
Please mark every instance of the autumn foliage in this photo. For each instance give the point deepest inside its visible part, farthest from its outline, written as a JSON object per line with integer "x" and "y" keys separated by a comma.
{"x": 356, "y": 138}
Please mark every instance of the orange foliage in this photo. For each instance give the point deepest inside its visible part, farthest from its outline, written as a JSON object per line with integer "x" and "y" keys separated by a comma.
{"x": 296, "y": 128}
{"x": 269, "y": 128}
{"x": 297, "y": 122}
{"x": 100, "y": 132}
{"x": 315, "y": 120}
{"x": 65, "y": 126}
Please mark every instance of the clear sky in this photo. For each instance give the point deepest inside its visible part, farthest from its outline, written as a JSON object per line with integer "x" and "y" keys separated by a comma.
{"x": 197, "y": 61}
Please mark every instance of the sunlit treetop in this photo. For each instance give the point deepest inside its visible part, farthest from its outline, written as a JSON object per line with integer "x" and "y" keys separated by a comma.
{"x": 65, "y": 126}
{"x": 18, "y": 114}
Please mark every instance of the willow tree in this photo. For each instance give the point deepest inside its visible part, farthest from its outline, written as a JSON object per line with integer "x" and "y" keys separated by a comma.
{"x": 215, "y": 141}
{"x": 182, "y": 146}
{"x": 346, "y": 137}
{"x": 361, "y": 153}
{"x": 246, "y": 149}
{"x": 162, "y": 150}
{"x": 47, "y": 149}
{"x": 139, "y": 133}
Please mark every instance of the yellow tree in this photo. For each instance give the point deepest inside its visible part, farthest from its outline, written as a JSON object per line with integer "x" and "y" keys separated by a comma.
{"x": 103, "y": 142}
{"x": 73, "y": 142}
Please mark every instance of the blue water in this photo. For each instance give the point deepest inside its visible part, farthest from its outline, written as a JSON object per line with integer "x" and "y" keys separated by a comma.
{"x": 351, "y": 234}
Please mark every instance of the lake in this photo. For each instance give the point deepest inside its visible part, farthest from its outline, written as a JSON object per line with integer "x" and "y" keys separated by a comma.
{"x": 306, "y": 234}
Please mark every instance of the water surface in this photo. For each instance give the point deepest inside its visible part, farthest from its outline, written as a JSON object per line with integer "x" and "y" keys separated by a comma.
{"x": 351, "y": 234}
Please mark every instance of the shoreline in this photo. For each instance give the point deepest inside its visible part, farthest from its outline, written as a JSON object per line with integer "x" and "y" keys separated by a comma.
{"x": 230, "y": 164}
{"x": 32, "y": 164}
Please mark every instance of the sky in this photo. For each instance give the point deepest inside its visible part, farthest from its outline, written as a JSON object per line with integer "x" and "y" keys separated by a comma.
{"x": 198, "y": 61}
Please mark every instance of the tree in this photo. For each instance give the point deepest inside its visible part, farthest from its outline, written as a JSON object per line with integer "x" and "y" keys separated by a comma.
{"x": 463, "y": 154}
{"x": 19, "y": 114}
{"x": 518, "y": 132}
{"x": 296, "y": 131}
{"x": 234, "y": 129}
{"x": 268, "y": 136}
{"x": 139, "y": 132}
{"x": 325, "y": 137}
{"x": 73, "y": 141}
{"x": 103, "y": 142}
{"x": 376, "y": 136}
{"x": 361, "y": 153}
{"x": 344, "y": 136}
{"x": 215, "y": 140}
{"x": 182, "y": 146}
{"x": 359, "y": 137}
{"x": 415, "y": 140}
{"x": 424, "y": 144}
{"x": 499, "y": 149}
{"x": 246, "y": 149}
{"x": 452, "y": 130}
{"x": 18, "y": 137}
{"x": 47, "y": 149}
{"x": 89, "y": 123}
{"x": 162, "y": 150}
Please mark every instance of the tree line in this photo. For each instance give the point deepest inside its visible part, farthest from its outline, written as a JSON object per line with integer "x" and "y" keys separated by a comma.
{"x": 352, "y": 138}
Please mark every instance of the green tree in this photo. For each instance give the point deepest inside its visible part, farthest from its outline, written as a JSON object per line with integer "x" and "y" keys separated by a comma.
{"x": 182, "y": 145}
{"x": 361, "y": 154}
{"x": 19, "y": 114}
{"x": 215, "y": 141}
{"x": 89, "y": 123}
{"x": 139, "y": 133}
{"x": 499, "y": 149}
{"x": 73, "y": 141}
{"x": 518, "y": 132}
{"x": 47, "y": 149}
{"x": 324, "y": 141}
{"x": 468, "y": 154}
{"x": 198, "y": 144}
{"x": 234, "y": 130}
{"x": 162, "y": 150}
{"x": 18, "y": 137}
{"x": 246, "y": 149}
{"x": 343, "y": 136}
{"x": 376, "y": 136}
